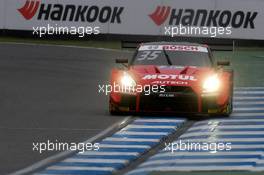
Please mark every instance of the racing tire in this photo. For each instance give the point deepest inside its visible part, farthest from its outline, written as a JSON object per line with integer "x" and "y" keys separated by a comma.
{"x": 229, "y": 107}
{"x": 113, "y": 110}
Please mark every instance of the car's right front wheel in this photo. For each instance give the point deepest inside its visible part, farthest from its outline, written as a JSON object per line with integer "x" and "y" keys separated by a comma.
{"x": 229, "y": 107}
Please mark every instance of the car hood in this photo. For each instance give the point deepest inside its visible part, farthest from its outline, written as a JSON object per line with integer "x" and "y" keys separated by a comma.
{"x": 169, "y": 75}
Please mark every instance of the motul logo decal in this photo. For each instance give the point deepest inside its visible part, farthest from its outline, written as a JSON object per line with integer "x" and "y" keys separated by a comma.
{"x": 30, "y": 8}
{"x": 169, "y": 76}
{"x": 160, "y": 15}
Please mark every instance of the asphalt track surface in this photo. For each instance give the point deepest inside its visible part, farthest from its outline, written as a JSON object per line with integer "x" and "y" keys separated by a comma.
{"x": 50, "y": 93}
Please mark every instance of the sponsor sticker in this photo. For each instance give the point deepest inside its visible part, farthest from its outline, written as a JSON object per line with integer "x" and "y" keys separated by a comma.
{"x": 167, "y": 95}
{"x": 169, "y": 77}
{"x": 174, "y": 48}
{"x": 171, "y": 82}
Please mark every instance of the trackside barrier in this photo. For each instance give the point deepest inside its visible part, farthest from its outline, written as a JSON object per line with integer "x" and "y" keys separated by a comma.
{"x": 241, "y": 19}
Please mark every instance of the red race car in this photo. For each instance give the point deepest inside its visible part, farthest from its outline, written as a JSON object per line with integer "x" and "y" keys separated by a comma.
{"x": 172, "y": 77}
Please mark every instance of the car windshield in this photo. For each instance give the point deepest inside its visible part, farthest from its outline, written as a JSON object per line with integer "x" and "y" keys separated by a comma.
{"x": 172, "y": 55}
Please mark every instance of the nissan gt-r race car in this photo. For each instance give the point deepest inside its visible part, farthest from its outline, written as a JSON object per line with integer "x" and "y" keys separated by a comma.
{"x": 172, "y": 77}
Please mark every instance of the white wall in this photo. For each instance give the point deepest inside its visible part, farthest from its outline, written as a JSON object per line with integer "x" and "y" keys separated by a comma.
{"x": 135, "y": 16}
{"x": 2, "y": 14}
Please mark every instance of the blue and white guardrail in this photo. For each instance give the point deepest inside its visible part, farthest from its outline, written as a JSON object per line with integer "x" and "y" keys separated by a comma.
{"x": 118, "y": 150}
{"x": 244, "y": 130}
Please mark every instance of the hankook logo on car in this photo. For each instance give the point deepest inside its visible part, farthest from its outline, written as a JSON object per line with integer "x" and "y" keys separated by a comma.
{"x": 203, "y": 17}
{"x": 70, "y": 12}
{"x": 169, "y": 76}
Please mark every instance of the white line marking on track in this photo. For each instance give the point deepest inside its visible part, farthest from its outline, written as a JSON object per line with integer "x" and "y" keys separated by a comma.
{"x": 152, "y": 126}
{"x": 248, "y": 92}
{"x": 249, "y": 109}
{"x": 180, "y": 154}
{"x": 160, "y": 120}
{"x": 237, "y": 114}
{"x": 159, "y": 162}
{"x": 247, "y": 98}
{"x": 231, "y": 140}
{"x": 80, "y": 168}
{"x": 212, "y": 127}
{"x": 223, "y": 133}
{"x": 95, "y": 160}
{"x": 141, "y": 133}
{"x": 248, "y": 88}
{"x": 189, "y": 168}
{"x": 131, "y": 139}
{"x": 230, "y": 120}
{"x": 249, "y": 103}
{"x": 123, "y": 146}
{"x": 65, "y": 46}
{"x": 105, "y": 153}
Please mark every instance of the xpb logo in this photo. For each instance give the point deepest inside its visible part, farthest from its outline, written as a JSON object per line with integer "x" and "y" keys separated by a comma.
{"x": 29, "y": 9}
{"x": 160, "y": 15}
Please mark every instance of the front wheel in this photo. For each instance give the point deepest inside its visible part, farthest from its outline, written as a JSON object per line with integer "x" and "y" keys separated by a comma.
{"x": 114, "y": 110}
{"x": 229, "y": 107}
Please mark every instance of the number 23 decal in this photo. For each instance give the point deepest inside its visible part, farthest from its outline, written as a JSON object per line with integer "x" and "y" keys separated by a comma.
{"x": 148, "y": 55}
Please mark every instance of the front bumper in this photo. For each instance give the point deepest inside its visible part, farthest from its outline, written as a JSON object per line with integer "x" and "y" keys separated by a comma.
{"x": 169, "y": 102}
{"x": 187, "y": 102}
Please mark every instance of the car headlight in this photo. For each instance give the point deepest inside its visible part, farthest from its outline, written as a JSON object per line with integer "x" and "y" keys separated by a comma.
{"x": 127, "y": 80}
{"x": 211, "y": 84}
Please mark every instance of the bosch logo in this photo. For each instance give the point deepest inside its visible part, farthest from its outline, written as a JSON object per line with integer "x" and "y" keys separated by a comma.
{"x": 30, "y": 8}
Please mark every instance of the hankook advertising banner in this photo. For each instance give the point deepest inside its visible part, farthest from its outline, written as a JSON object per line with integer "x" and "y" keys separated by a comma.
{"x": 242, "y": 19}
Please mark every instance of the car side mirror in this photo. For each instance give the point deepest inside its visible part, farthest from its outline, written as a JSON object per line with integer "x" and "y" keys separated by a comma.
{"x": 123, "y": 61}
{"x": 223, "y": 63}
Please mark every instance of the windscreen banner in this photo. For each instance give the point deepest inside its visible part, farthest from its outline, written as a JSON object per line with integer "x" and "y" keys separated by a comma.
{"x": 243, "y": 19}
